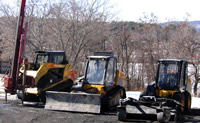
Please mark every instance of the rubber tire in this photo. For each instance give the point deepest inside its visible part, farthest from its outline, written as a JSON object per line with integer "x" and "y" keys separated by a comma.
{"x": 122, "y": 114}
{"x": 42, "y": 97}
{"x": 23, "y": 96}
{"x": 27, "y": 97}
{"x": 164, "y": 116}
{"x": 187, "y": 102}
{"x": 180, "y": 97}
{"x": 178, "y": 117}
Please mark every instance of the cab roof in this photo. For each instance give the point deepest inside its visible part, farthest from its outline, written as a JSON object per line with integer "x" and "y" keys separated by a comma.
{"x": 172, "y": 60}
{"x": 49, "y": 51}
{"x": 99, "y": 55}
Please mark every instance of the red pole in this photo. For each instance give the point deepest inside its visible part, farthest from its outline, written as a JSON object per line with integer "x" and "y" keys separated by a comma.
{"x": 12, "y": 79}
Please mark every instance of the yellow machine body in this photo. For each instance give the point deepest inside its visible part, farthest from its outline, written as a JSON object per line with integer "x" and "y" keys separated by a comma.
{"x": 170, "y": 93}
{"x": 100, "y": 89}
{"x": 103, "y": 85}
{"x": 45, "y": 75}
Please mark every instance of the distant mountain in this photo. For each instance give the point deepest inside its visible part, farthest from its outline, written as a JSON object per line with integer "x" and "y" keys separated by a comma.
{"x": 195, "y": 24}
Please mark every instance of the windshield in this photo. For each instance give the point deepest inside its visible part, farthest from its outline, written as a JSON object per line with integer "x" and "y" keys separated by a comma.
{"x": 168, "y": 75}
{"x": 41, "y": 58}
{"x": 95, "y": 71}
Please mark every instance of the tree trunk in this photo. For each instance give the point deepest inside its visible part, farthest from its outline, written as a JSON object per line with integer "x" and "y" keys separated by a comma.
{"x": 195, "y": 89}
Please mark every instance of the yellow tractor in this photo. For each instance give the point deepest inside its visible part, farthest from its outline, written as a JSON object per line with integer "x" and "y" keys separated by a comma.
{"x": 50, "y": 71}
{"x": 102, "y": 87}
{"x": 169, "y": 95}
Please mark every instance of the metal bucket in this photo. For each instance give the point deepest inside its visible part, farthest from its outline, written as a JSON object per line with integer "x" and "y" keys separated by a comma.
{"x": 75, "y": 102}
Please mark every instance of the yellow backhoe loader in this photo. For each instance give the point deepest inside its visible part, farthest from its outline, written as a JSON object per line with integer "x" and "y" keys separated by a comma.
{"x": 102, "y": 87}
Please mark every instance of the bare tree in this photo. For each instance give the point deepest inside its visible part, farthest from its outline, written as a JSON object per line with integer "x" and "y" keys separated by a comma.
{"x": 76, "y": 25}
{"x": 8, "y": 28}
{"x": 187, "y": 46}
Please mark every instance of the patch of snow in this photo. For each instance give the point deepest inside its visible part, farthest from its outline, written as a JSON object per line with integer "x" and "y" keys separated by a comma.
{"x": 1, "y": 83}
{"x": 133, "y": 94}
{"x": 195, "y": 102}
{"x": 9, "y": 96}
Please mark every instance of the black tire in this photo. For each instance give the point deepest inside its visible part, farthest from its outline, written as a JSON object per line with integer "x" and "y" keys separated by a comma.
{"x": 42, "y": 97}
{"x": 187, "y": 102}
{"x": 178, "y": 117}
{"x": 180, "y": 97}
{"x": 23, "y": 96}
{"x": 27, "y": 97}
{"x": 121, "y": 114}
{"x": 110, "y": 101}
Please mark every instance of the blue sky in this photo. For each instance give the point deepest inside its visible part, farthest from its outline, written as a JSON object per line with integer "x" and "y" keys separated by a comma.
{"x": 165, "y": 10}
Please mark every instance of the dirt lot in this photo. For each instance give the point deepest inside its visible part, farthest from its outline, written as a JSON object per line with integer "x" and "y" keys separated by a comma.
{"x": 14, "y": 112}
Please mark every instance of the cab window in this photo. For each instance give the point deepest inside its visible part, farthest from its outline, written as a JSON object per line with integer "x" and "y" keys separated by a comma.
{"x": 58, "y": 59}
{"x": 110, "y": 71}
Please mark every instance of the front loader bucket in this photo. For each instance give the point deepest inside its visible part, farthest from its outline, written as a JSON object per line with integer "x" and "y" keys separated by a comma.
{"x": 75, "y": 102}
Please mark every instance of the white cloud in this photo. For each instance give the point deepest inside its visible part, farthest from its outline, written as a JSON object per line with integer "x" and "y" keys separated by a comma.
{"x": 163, "y": 9}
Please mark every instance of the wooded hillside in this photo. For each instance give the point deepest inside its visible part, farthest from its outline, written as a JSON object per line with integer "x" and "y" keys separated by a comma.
{"x": 81, "y": 27}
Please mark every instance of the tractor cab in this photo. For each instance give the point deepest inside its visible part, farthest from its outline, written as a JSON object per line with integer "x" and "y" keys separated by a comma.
{"x": 55, "y": 57}
{"x": 171, "y": 78}
{"x": 101, "y": 71}
{"x": 171, "y": 74}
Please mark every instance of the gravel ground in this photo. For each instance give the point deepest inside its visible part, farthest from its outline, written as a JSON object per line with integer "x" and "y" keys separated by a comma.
{"x": 14, "y": 112}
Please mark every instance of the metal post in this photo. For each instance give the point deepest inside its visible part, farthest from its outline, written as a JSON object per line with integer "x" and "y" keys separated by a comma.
{"x": 25, "y": 62}
{"x": 17, "y": 44}
{"x": 6, "y": 96}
